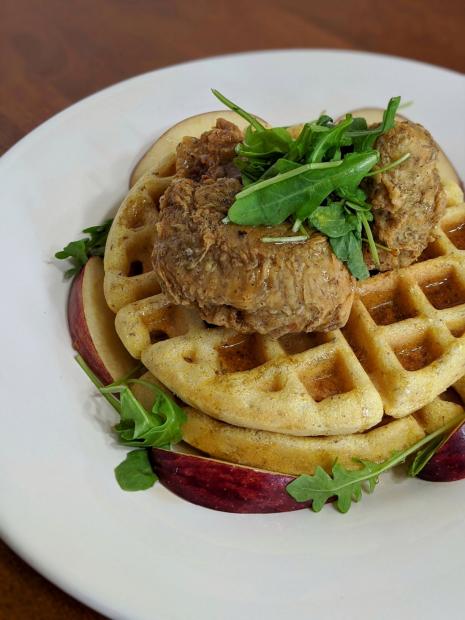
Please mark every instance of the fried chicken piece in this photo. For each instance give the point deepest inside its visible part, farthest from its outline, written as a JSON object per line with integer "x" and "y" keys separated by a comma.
{"x": 210, "y": 155}
{"x": 408, "y": 201}
{"x": 235, "y": 279}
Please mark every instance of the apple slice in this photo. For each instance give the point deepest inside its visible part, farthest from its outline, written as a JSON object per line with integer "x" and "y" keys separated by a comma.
{"x": 446, "y": 170}
{"x": 160, "y": 157}
{"x": 449, "y": 461}
{"x": 222, "y": 486}
{"x": 92, "y": 325}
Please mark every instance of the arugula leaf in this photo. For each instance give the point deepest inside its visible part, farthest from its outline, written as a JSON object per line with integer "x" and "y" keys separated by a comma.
{"x": 348, "y": 249}
{"x": 235, "y": 108}
{"x": 357, "y": 196}
{"x": 331, "y": 138}
{"x": 135, "y": 473}
{"x": 264, "y": 143}
{"x": 371, "y": 242}
{"x": 355, "y": 262}
{"x": 79, "y": 252}
{"x": 259, "y": 150}
{"x": 331, "y": 220}
{"x": 387, "y": 123}
{"x": 76, "y": 251}
{"x": 251, "y": 169}
{"x": 348, "y": 176}
{"x": 301, "y": 144}
{"x": 359, "y": 125}
{"x": 270, "y": 202}
{"x": 340, "y": 247}
{"x": 347, "y": 485}
{"x": 159, "y": 427}
{"x": 279, "y": 167}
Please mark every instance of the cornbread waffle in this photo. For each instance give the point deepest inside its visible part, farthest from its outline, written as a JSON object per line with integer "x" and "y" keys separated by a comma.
{"x": 309, "y": 384}
{"x": 407, "y": 326}
{"x": 400, "y": 349}
{"x": 297, "y": 455}
{"x": 127, "y": 262}
{"x": 403, "y": 345}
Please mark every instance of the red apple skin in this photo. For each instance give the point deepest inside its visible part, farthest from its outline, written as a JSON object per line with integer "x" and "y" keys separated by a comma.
{"x": 222, "y": 486}
{"x": 80, "y": 335}
{"x": 448, "y": 463}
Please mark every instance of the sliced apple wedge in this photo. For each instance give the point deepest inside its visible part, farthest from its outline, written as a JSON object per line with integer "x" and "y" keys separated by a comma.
{"x": 91, "y": 325}
{"x": 448, "y": 463}
{"x": 160, "y": 157}
{"x": 446, "y": 170}
{"x": 222, "y": 486}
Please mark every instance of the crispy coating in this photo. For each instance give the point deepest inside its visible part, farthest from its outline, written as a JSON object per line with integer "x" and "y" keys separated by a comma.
{"x": 210, "y": 155}
{"x": 235, "y": 279}
{"x": 408, "y": 201}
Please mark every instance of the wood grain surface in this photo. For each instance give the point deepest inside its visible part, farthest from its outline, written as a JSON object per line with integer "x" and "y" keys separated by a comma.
{"x": 54, "y": 52}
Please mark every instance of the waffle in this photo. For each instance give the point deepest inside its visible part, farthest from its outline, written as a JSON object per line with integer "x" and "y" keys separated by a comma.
{"x": 402, "y": 347}
{"x": 127, "y": 262}
{"x": 404, "y": 344}
{"x": 308, "y": 384}
{"x": 296, "y": 455}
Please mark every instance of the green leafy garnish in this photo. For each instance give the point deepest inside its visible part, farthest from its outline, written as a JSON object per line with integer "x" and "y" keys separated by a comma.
{"x": 347, "y": 485}
{"x": 160, "y": 427}
{"x": 135, "y": 473}
{"x": 79, "y": 252}
{"x": 272, "y": 201}
{"x": 254, "y": 122}
{"x": 298, "y": 180}
{"x": 386, "y": 124}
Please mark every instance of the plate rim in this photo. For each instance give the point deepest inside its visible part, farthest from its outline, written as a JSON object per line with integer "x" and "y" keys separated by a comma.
{"x": 146, "y": 74}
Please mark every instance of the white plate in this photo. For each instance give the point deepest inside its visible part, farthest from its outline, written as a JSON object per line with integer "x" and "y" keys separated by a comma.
{"x": 152, "y": 555}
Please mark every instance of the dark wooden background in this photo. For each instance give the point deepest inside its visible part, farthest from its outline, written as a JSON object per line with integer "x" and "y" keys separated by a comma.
{"x": 54, "y": 52}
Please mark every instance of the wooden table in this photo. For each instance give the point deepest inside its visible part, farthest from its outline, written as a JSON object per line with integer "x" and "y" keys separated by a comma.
{"x": 54, "y": 52}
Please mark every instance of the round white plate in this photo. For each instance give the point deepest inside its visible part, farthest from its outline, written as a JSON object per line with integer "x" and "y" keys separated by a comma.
{"x": 151, "y": 555}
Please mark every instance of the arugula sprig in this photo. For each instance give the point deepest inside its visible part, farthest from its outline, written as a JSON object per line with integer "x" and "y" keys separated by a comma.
{"x": 296, "y": 180}
{"x": 160, "y": 427}
{"x": 138, "y": 427}
{"x": 347, "y": 485}
{"x": 78, "y": 252}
